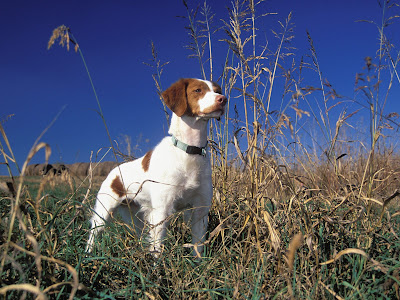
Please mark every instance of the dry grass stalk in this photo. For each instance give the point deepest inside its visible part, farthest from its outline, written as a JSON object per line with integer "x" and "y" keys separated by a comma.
{"x": 333, "y": 293}
{"x": 26, "y": 288}
{"x": 294, "y": 244}
{"x": 75, "y": 283}
{"x": 375, "y": 263}
{"x": 63, "y": 33}
{"x": 273, "y": 234}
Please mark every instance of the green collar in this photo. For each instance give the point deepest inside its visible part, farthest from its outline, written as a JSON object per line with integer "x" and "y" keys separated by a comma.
{"x": 189, "y": 149}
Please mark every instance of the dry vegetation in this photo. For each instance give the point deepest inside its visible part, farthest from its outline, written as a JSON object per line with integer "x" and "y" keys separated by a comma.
{"x": 299, "y": 211}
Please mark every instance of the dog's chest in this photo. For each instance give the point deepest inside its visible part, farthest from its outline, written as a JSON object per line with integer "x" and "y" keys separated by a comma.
{"x": 190, "y": 174}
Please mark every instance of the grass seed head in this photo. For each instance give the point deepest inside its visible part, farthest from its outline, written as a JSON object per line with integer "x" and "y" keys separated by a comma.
{"x": 295, "y": 244}
{"x": 63, "y": 33}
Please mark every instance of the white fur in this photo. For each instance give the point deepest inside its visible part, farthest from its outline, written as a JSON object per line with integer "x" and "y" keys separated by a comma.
{"x": 209, "y": 98}
{"x": 174, "y": 181}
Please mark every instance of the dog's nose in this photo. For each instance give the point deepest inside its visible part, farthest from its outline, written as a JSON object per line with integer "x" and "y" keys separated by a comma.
{"x": 221, "y": 99}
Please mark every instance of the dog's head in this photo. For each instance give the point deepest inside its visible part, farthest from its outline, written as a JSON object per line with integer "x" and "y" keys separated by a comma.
{"x": 195, "y": 97}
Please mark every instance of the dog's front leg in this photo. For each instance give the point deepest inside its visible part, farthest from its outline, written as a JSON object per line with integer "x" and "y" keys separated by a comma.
{"x": 157, "y": 220}
{"x": 198, "y": 218}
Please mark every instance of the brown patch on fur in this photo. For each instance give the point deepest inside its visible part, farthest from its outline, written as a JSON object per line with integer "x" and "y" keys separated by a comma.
{"x": 175, "y": 97}
{"x": 195, "y": 91}
{"x": 118, "y": 187}
{"x": 217, "y": 89}
{"x": 146, "y": 160}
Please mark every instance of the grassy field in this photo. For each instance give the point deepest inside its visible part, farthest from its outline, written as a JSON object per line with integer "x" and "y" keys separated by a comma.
{"x": 299, "y": 245}
{"x": 300, "y": 210}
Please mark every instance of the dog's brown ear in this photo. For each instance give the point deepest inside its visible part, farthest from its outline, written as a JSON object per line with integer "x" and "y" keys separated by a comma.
{"x": 175, "y": 97}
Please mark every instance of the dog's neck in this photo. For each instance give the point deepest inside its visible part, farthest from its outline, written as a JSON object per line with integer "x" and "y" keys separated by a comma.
{"x": 189, "y": 130}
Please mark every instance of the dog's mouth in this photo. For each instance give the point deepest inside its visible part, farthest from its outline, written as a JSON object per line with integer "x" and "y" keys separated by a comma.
{"x": 222, "y": 111}
{"x": 216, "y": 114}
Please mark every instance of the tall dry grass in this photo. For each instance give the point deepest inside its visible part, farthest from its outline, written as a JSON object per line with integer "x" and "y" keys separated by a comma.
{"x": 299, "y": 211}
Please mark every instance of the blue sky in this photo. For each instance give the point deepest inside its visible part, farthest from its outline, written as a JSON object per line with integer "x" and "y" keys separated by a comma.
{"x": 37, "y": 84}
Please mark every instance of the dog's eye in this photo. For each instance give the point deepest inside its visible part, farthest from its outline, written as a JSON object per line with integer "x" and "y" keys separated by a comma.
{"x": 197, "y": 91}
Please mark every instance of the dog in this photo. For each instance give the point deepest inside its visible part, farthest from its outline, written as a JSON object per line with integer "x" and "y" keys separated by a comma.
{"x": 174, "y": 176}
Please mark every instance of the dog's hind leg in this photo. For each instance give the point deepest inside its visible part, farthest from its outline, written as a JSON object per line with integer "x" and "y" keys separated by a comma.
{"x": 104, "y": 205}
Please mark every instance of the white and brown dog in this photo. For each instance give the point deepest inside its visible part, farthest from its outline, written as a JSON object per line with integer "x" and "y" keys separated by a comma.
{"x": 174, "y": 176}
